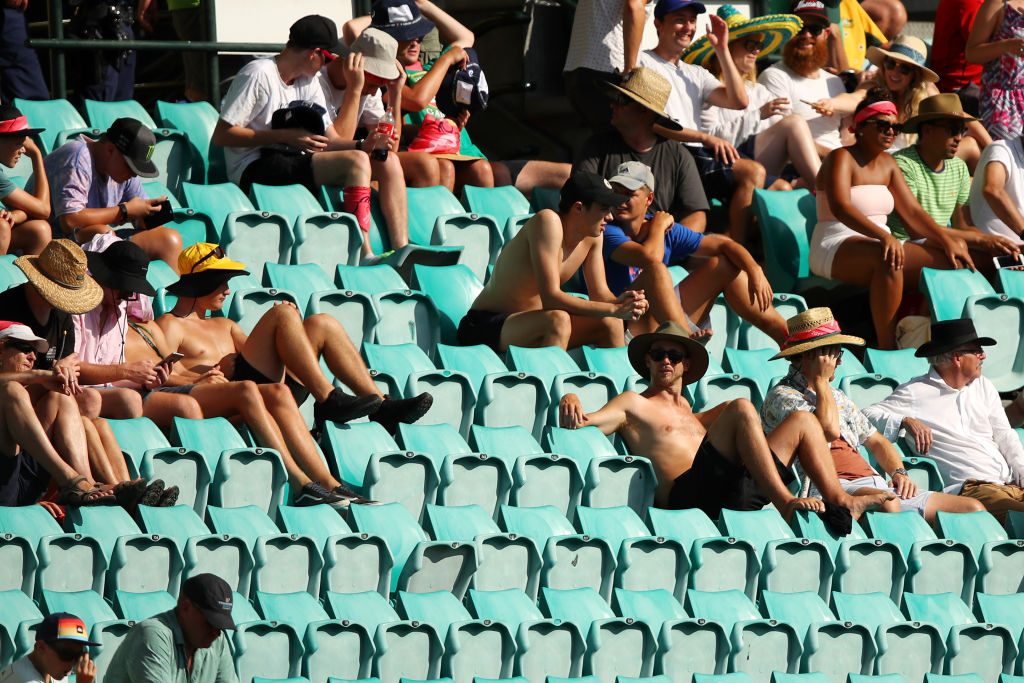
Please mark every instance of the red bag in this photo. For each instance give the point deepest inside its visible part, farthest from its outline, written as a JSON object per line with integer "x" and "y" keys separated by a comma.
{"x": 436, "y": 136}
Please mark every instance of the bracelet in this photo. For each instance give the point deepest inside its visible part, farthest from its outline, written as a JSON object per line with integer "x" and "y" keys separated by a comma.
{"x": 359, "y": 144}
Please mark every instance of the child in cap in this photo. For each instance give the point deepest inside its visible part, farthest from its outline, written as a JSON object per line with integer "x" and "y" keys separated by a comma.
{"x": 60, "y": 650}
{"x": 23, "y": 221}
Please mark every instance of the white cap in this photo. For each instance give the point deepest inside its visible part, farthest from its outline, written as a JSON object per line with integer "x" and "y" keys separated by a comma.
{"x": 9, "y": 330}
{"x": 633, "y": 175}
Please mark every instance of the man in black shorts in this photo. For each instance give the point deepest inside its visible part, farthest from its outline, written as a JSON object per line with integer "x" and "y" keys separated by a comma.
{"x": 720, "y": 458}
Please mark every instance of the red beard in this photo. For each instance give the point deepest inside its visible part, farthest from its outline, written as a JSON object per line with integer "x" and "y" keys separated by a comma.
{"x": 803, "y": 61}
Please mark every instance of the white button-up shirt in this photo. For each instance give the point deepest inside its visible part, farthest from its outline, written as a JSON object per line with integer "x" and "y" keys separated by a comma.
{"x": 971, "y": 437}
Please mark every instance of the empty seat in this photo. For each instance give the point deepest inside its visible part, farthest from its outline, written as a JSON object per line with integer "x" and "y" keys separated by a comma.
{"x": 453, "y": 289}
{"x": 17, "y": 615}
{"x": 178, "y": 523}
{"x": 562, "y": 376}
{"x": 1000, "y": 561}
{"x": 902, "y": 365}
{"x": 509, "y": 207}
{"x": 405, "y": 315}
{"x": 786, "y": 220}
{"x": 247, "y": 522}
{"x": 357, "y": 563}
{"x": 230, "y": 558}
{"x": 197, "y": 120}
{"x": 757, "y": 365}
{"x": 58, "y": 117}
{"x": 441, "y": 220}
{"x": 1006, "y": 610}
{"x": 103, "y": 523}
{"x": 287, "y": 563}
{"x": 266, "y": 649}
{"x": 72, "y": 577}
{"x": 336, "y": 650}
{"x": 316, "y": 293}
{"x": 613, "y": 362}
{"x": 298, "y": 610}
{"x": 144, "y": 575}
{"x": 867, "y": 388}
{"x": 716, "y": 388}
{"x": 17, "y": 564}
{"x": 318, "y": 522}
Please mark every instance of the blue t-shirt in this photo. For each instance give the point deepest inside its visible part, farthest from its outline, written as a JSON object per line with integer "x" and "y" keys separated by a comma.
{"x": 7, "y": 185}
{"x": 680, "y": 242}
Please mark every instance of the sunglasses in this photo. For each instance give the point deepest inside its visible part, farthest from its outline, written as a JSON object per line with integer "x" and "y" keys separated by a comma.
{"x": 815, "y": 29}
{"x": 21, "y": 346}
{"x": 218, "y": 252}
{"x": 952, "y": 127}
{"x": 886, "y": 126}
{"x": 674, "y": 356}
{"x": 67, "y": 654}
{"x": 902, "y": 67}
{"x": 753, "y": 45}
{"x": 970, "y": 352}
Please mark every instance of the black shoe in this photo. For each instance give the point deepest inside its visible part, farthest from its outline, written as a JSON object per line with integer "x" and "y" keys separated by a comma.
{"x": 153, "y": 492}
{"x": 340, "y": 407}
{"x": 315, "y": 494}
{"x": 402, "y": 410}
{"x": 353, "y": 497}
{"x": 169, "y": 498}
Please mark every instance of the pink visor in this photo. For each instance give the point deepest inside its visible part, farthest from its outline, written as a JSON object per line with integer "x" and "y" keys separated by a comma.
{"x": 14, "y": 125}
{"x": 876, "y": 109}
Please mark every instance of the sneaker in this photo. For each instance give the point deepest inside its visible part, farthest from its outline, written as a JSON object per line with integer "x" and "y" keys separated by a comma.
{"x": 353, "y": 497}
{"x": 402, "y": 410}
{"x": 315, "y": 494}
{"x": 151, "y": 496}
{"x": 340, "y": 407}
{"x": 169, "y": 498}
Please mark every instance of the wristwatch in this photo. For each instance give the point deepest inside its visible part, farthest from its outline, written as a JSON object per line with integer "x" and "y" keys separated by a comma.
{"x": 899, "y": 470}
{"x": 123, "y": 208}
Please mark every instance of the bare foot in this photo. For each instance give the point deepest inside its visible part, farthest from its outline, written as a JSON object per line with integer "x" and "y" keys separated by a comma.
{"x": 700, "y": 333}
{"x": 794, "y": 504}
{"x": 858, "y": 505}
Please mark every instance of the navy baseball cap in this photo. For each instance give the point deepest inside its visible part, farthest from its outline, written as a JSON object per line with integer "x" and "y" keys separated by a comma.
{"x": 666, "y": 6}
{"x": 212, "y": 595}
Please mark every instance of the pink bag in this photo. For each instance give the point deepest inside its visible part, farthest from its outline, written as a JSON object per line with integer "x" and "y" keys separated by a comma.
{"x": 436, "y": 136}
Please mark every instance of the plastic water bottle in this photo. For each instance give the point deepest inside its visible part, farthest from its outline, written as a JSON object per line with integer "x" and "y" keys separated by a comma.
{"x": 382, "y": 139}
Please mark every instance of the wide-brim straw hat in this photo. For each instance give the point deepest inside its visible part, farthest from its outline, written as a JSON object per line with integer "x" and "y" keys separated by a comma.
{"x": 776, "y": 30}
{"x": 936, "y": 108}
{"x": 673, "y": 332}
{"x": 907, "y": 49}
{"x": 812, "y": 329}
{"x": 60, "y": 276}
{"x": 651, "y": 90}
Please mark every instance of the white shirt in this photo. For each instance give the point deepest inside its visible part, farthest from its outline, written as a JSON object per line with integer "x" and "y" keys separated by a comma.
{"x": 371, "y": 107}
{"x": 255, "y": 94}
{"x": 736, "y": 126}
{"x": 24, "y": 671}
{"x": 691, "y": 86}
{"x": 971, "y": 437}
{"x": 597, "y": 40}
{"x": 782, "y": 81}
{"x": 1010, "y": 153}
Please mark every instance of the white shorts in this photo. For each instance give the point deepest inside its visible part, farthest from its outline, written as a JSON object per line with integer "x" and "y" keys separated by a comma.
{"x": 917, "y": 503}
{"x": 825, "y": 242}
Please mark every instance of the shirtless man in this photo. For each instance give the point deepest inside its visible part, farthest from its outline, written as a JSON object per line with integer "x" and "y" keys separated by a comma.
{"x": 719, "y": 458}
{"x": 523, "y": 303}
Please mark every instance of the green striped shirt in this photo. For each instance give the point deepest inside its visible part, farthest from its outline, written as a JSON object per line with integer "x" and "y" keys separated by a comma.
{"x": 938, "y": 193}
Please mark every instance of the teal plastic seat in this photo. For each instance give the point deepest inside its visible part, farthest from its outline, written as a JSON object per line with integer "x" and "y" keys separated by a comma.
{"x": 758, "y": 646}
{"x": 786, "y": 220}
{"x": 230, "y": 558}
{"x": 862, "y": 564}
{"x": 109, "y": 635}
{"x": 1006, "y": 610}
{"x": 104, "y": 523}
{"x": 144, "y": 575}
{"x": 287, "y": 563}
{"x": 949, "y": 290}
{"x": 439, "y": 218}
{"x": 297, "y": 610}
{"x": 266, "y": 649}
{"x": 1000, "y": 561}
{"x": 834, "y": 648}
{"x": 788, "y": 564}
{"x": 653, "y": 607}
{"x": 734, "y": 677}
{"x": 31, "y": 522}
{"x": 538, "y": 478}
{"x": 18, "y": 564}
{"x": 504, "y": 560}
{"x": 453, "y": 289}
{"x": 544, "y": 647}
{"x": 356, "y": 563}
{"x": 72, "y": 567}
{"x": 971, "y": 647}
{"x": 559, "y": 372}
{"x": 509, "y": 207}
{"x": 757, "y": 366}
{"x": 750, "y": 337}
{"x": 616, "y": 481}
{"x": 582, "y": 445}
{"x": 644, "y": 562}
{"x": 197, "y": 120}
{"x": 714, "y": 389}
{"x": 318, "y": 522}
{"x": 369, "y": 609}
{"x": 153, "y": 457}
{"x": 10, "y": 274}
{"x": 571, "y": 560}
{"x": 867, "y": 388}
{"x": 321, "y": 238}
{"x": 910, "y": 648}
{"x": 717, "y": 562}
{"x": 178, "y": 523}
{"x": 365, "y": 456}
{"x": 933, "y": 565}
{"x": 503, "y": 398}
{"x": 58, "y": 116}
{"x": 405, "y": 315}
{"x": 467, "y": 478}
{"x": 248, "y": 522}
{"x": 612, "y": 362}
{"x": 615, "y": 646}
{"x": 335, "y": 650}
{"x": 18, "y": 614}
{"x": 902, "y": 365}
{"x": 420, "y": 565}
{"x": 472, "y": 648}
{"x": 241, "y": 475}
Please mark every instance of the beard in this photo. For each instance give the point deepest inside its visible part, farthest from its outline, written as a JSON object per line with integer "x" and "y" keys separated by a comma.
{"x": 803, "y": 61}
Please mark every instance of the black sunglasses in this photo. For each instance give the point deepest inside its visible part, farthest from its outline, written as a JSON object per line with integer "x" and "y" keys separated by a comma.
{"x": 886, "y": 126}
{"x": 658, "y": 355}
{"x": 952, "y": 127}
{"x": 814, "y": 28}
{"x": 753, "y": 45}
{"x": 218, "y": 252}
{"x": 22, "y": 346}
{"x": 67, "y": 654}
{"x": 902, "y": 67}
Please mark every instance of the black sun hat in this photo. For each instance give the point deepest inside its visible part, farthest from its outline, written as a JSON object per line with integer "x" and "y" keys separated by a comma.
{"x": 948, "y": 335}
{"x": 123, "y": 265}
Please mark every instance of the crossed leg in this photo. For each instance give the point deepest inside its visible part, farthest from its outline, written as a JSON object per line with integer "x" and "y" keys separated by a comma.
{"x": 718, "y": 275}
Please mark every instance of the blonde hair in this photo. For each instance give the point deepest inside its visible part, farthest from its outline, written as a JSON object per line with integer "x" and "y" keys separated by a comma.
{"x": 908, "y": 102}
{"x": 716, "y": 70}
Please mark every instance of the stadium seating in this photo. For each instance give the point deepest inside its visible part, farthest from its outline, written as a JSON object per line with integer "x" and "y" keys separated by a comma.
{"x": 404, "y": 315}
{"x": 197, "y": 120}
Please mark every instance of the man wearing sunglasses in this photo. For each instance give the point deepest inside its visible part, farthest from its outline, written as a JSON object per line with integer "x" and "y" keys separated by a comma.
{"x": 61, "y": 649}
{"x": 940, "y": 180}
{"x": 801, "y": 78}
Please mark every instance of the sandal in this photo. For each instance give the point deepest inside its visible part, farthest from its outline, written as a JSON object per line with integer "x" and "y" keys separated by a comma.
{"x": 73, "y": 494}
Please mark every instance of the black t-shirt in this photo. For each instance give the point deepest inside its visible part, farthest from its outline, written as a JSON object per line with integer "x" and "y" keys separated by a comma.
{"x": 678, "y": 190}
{"x": 59, "y": 330}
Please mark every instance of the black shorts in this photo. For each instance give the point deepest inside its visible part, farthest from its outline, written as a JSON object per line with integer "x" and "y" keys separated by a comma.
{"x": 22, "y": 480}
{"x": 278, "y": 167}
{"x": 717, "y": 177}
{"x": 177, "y": 389}
{"x": 713, "y": 483}
{"x": 244, "y": 370}
{"x": 482, "y": 327}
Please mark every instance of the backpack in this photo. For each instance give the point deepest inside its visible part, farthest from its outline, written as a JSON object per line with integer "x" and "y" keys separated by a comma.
{"x": 463, "y": 89}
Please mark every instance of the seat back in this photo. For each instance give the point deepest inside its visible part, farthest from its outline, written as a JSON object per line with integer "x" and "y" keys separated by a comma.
{"x": 453, "y": 290}
{"x": 948, "y": 290}
{"x": 197, "y": 120}
{"x": 785, "y": 219}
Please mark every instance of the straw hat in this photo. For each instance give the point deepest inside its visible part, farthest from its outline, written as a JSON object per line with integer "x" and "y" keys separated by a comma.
{"x": 777, "y": 29}
{"x": 669, "y": 331}
{"x": 812, "y": 329}
{"x": 907, "y": 49}
{"x": 59, "y": 274}
{"x": 647, "y": 87}
{"x": 937, "y": 107}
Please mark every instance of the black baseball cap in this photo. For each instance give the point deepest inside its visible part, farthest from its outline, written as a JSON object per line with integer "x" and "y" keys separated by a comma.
{"x": 64, "y": 627}
{"x": 586, "y": 187}
{"x": 314, "y": 31}
{"x": 811, "y": 9}
{"x": 212, "y": 595}
{"x": 137, "y": 143}
{"x": 123, "y": 265}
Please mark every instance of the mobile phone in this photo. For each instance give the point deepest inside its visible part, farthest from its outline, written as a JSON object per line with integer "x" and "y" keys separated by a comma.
{"x": 164, "y": 215}
{"x": 171, "y": 358}
{"x": 1009, "y": 261}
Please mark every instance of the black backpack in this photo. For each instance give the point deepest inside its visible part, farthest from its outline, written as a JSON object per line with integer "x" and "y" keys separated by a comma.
{"x": 463, "y": 89}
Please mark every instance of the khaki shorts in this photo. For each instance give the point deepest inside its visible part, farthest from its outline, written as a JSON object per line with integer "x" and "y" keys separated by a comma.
{"x": 997, "y": 498}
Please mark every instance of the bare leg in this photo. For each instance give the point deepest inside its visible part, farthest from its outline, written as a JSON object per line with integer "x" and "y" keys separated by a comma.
{"x": 163, "y": 244}
{"x": 789, "y": 140}
{"x": 280, "y": 404}
{"x": 30, "y": 237}
{"x": 162, "y": 408}
{"x": 601, "y": 332}
{"x": 918, "y": 256}
{"x": 665, "y": 303}
{"x": 279, "y": 341}
{"x": 446, "y": 168}
{"x": 99, "y": 461}
{"x": 119, "y": 403}
{"x": 889, "y": 15}
{"x": 20, "y": 427}
{"x": 859, "y": 262}
{"x": 349, "y": 168}
{"x": 330, "y": 342}
{"x": 540, "y": 174}
{"x": 58, "y": 414}
{"x": 420, "y": 169}
{"x": 533, "y": 329}
{"x": 393, "y": 201}
{"x": 115, "y": 456}
{"x": 749, "y": 176}
{"x": 944, "y": 502}
{"x": 477, "y": 173}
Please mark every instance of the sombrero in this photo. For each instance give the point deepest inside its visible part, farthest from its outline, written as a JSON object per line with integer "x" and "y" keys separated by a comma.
{"x": 59, "y": 275}
{"x": 777, "y": 29}
{"x": 907, "y": 49}
{"x": 812, "y": 329}
{"x": 673, "y": 332}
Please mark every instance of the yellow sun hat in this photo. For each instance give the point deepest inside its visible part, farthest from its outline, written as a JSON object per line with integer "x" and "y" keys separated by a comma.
{"x": 777, "y": 29}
